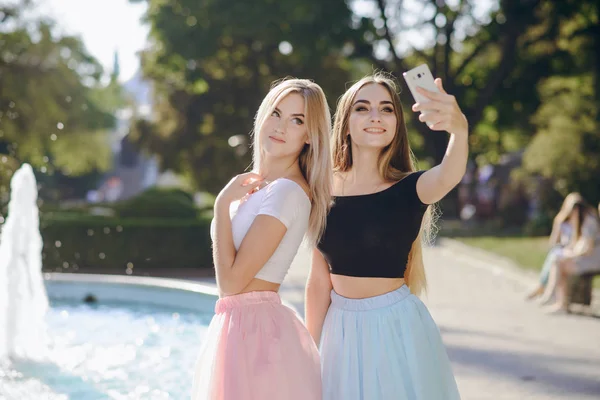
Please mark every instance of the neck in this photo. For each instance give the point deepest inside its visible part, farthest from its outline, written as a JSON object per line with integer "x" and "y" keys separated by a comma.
{"x": 364, "y": 168}
{"x": 275, "y": 168}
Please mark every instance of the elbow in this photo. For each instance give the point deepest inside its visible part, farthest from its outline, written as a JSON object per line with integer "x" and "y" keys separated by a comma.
{"x": 318, "y": 287}
{"x": 228, "y": 288}
{"x": 231, "y": 284}
{"x": 451, "y": 174}
{"x": 449, "y": 182}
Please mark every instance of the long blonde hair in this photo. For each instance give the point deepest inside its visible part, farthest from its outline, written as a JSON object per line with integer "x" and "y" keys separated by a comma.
{"x": 395, "y": 162}
{"x": 563, "y": 214}
{"x": 314, "y": 158}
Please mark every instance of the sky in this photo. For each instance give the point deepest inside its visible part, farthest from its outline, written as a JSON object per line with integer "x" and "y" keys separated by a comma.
{"x": 109, "y": 25}
{"x": 104, "y": 26}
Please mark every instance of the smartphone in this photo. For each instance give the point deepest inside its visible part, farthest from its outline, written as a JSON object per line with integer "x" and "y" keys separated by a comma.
{"x": 420, "y": 76}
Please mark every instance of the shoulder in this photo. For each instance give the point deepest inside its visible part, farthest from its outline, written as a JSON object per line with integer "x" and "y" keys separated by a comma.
{"x": 409, "y": 181}
{"x": 285, "y": 200}
{"x": 408, "y": 187}
{"x": 286, "y": 188}
{"x": 411, "y": 178}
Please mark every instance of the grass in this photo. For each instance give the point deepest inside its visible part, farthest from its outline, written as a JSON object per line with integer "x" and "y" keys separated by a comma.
{"x": 526, "y": 251}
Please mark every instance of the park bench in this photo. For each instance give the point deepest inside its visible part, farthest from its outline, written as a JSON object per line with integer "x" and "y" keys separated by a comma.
{"x": 581, "y": 288}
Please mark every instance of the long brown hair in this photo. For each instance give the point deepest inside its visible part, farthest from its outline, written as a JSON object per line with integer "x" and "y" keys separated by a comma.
{"x": 395, "y": 162}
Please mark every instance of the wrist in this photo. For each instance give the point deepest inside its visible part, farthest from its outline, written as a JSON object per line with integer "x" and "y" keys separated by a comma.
{"x": 462, "y": 131}
{"x": 222, "y": 202}
{"x": 461, "y": 134}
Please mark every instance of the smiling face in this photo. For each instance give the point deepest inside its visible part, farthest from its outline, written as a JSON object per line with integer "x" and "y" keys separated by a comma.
{"x": 284, "y": 132}
{"x": 372, "y": 121}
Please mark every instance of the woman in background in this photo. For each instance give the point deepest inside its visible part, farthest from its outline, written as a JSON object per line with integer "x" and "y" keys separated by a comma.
{"x": 560, "y": 237}
{"x": 583, "y": 257}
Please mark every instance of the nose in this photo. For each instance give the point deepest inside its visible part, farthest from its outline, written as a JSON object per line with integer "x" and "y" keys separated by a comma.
{"x": 375, "y": 117}
{"x": 280, "y": 128}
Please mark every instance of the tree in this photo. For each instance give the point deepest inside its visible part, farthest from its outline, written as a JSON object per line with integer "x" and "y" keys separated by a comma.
{"x": 211, "y": 63}
{"x": 54, "y": 113}
{"x": 566, "y": 147}
{"x": 488, "y": 58}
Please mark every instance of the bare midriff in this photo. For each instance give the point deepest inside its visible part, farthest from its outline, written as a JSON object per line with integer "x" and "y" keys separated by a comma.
{"x": 360, "y": 288}
{"x": 258, "y": 285}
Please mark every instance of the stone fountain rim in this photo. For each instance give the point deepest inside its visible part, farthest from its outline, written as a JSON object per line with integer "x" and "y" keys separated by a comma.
{"x": 145, "y": 281}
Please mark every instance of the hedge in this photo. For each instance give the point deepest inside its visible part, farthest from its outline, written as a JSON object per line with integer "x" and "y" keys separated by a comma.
{"x": 158, "y": 203}
{"x": 76, "y": 243}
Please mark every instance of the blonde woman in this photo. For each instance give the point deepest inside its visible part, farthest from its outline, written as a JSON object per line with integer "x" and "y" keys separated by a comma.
{"x": 583, "y": 257}
{"x": 560, "y": 238}
{"x": 377, "y": 339}
{"x": 255, "y": 347}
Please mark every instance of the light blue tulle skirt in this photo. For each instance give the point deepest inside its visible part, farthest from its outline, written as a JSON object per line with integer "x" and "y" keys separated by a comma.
{"x": 384, "y": 348}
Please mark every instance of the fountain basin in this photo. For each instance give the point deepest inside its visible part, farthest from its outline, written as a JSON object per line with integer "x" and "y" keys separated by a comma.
{"x": 115, "y": 337}
{"x": 161, "y": 292}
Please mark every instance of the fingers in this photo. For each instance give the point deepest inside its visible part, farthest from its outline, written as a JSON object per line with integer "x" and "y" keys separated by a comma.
{"x": 440, "y": 126}
{"x": 251, "y": 185}
{"x": 431, "y": 106}
{"x": 438, "y": 83}
{"x": 432, "y": 118}
{"x": 250, "y": 178}
{"x": 432, "y": 95}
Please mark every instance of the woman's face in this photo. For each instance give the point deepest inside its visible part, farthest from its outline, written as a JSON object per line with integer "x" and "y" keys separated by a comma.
{"x": 372, "y": 121}
{"x": 284, "y": 132}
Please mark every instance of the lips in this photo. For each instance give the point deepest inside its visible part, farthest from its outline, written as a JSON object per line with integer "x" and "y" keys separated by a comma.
{"x": 273, "y": 138}
{"x": 375, "y": 130}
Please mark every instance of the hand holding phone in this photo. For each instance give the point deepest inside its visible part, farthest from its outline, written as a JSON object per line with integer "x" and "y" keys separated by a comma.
{"x": 438, "y": 109}
{"x": 420, "y": 76}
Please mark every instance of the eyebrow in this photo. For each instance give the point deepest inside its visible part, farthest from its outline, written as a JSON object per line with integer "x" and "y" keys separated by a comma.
{"x": 293, "y": 115}
{"x": 368, "y": 102}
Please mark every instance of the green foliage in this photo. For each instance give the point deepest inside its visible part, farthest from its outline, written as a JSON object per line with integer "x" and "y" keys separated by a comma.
{"x": 566, "y": 148}
{"x": 211, "y": 64}
{"x": 54, "y": 113}
{"x": 159, "y": 203}
{"x": 76, "y": 243}
{"x": 540, "y": 226}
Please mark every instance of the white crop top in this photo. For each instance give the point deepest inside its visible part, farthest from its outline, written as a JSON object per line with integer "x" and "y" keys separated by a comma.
{"x": 285, "y": 200}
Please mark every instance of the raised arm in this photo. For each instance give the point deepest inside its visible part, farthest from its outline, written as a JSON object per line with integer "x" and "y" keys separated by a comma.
{"x": 443, "y": 114}
{"x": 318, "y": 292}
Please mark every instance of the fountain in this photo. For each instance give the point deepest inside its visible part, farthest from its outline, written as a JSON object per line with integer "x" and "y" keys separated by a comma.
{"x": 23, "y": 298}
{"x": 138, "y": 339}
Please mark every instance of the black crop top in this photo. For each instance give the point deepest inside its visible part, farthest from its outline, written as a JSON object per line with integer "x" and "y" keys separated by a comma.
{"x": 371, "y": 235}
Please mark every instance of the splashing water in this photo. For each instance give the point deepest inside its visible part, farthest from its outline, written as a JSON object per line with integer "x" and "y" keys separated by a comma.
{"x": 23, "y": 298}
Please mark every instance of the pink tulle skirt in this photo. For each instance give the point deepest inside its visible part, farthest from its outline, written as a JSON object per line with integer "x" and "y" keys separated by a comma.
{"x": 256, "y": 349}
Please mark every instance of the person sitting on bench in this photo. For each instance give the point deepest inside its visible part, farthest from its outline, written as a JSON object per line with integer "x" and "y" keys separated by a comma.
{"x": 583, "y": 258}
{"x": 560, "y": 239}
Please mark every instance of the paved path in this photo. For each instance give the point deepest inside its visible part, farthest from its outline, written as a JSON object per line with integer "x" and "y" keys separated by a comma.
{"x": 501, "y": 347}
